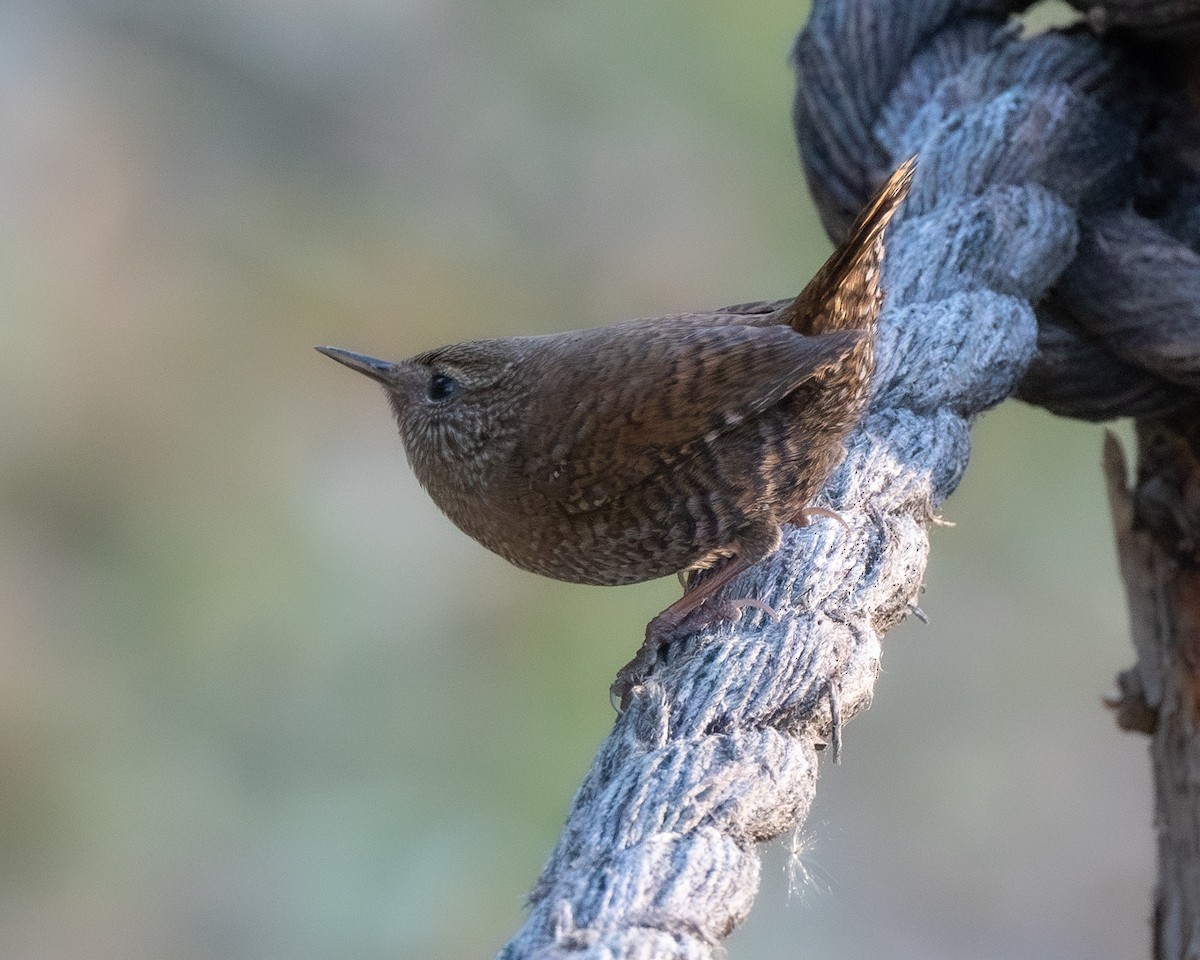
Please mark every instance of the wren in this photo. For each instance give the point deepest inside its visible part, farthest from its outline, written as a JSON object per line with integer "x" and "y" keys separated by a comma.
{"x": 674, "y": 444}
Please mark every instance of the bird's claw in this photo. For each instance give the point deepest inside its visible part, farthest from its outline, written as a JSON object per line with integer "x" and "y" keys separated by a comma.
{"x": 802, "y": 519}
{"x": 664, "y": 630}
{"x": 733, "y": 609}
{"x": 659, "y": 633}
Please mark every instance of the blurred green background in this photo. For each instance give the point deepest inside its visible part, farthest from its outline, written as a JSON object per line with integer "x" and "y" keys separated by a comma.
{"x": 258, "y": 699}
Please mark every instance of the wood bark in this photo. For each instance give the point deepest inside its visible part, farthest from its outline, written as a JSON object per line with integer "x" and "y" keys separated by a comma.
{"x": 1175, "y": 20}
{"x": 1157, "y": 526}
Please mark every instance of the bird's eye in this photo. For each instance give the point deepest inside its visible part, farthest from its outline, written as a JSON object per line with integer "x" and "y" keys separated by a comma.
{"x": 441, "y": 387}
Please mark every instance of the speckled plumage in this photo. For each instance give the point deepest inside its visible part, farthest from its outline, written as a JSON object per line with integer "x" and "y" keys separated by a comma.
{"x": 633, "y": 451}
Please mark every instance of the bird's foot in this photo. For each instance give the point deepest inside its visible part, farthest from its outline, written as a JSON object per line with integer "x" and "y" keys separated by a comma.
{"x": 666, "y": 628}
{"x": 659, "y": 633}
{"x": 733, "y": 609}
{"x": 802, "y": 517}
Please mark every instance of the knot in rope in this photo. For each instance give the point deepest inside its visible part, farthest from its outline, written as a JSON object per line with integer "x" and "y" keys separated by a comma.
{"x": 1090, "y": 122}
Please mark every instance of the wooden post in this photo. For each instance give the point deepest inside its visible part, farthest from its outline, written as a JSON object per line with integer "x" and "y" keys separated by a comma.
{"x": 1157, "y": 525}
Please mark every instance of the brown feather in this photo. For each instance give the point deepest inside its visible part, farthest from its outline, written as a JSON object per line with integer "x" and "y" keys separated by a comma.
{"x": 614, "y": 421}
{"x": 846, "y": 290}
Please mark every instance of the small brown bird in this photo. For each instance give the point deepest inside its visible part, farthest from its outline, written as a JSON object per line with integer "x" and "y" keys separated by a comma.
{"x": 632, "y": 451}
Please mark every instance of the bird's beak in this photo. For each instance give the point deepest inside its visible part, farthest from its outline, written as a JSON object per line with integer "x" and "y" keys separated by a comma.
{"x": 381, "y": 370}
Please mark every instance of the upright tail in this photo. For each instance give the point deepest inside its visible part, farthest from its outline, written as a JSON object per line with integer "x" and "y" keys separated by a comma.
{"x": 846, "y": 293}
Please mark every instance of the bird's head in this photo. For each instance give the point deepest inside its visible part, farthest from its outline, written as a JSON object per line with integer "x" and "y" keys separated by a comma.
{"x": 456, "y": 406}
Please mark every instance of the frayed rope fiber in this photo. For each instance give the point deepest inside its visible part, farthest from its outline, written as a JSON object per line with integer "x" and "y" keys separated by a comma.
{"x": 1017, "y": 265}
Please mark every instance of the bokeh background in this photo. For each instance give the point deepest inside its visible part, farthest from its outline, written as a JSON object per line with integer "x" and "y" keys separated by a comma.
{"x": 258, "y": 699}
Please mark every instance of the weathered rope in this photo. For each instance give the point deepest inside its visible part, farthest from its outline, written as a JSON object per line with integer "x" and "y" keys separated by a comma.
{"x": 1018, "y": 139}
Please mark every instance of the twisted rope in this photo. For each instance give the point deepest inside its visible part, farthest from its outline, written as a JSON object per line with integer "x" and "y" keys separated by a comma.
{"x": 1018, "y": 140}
